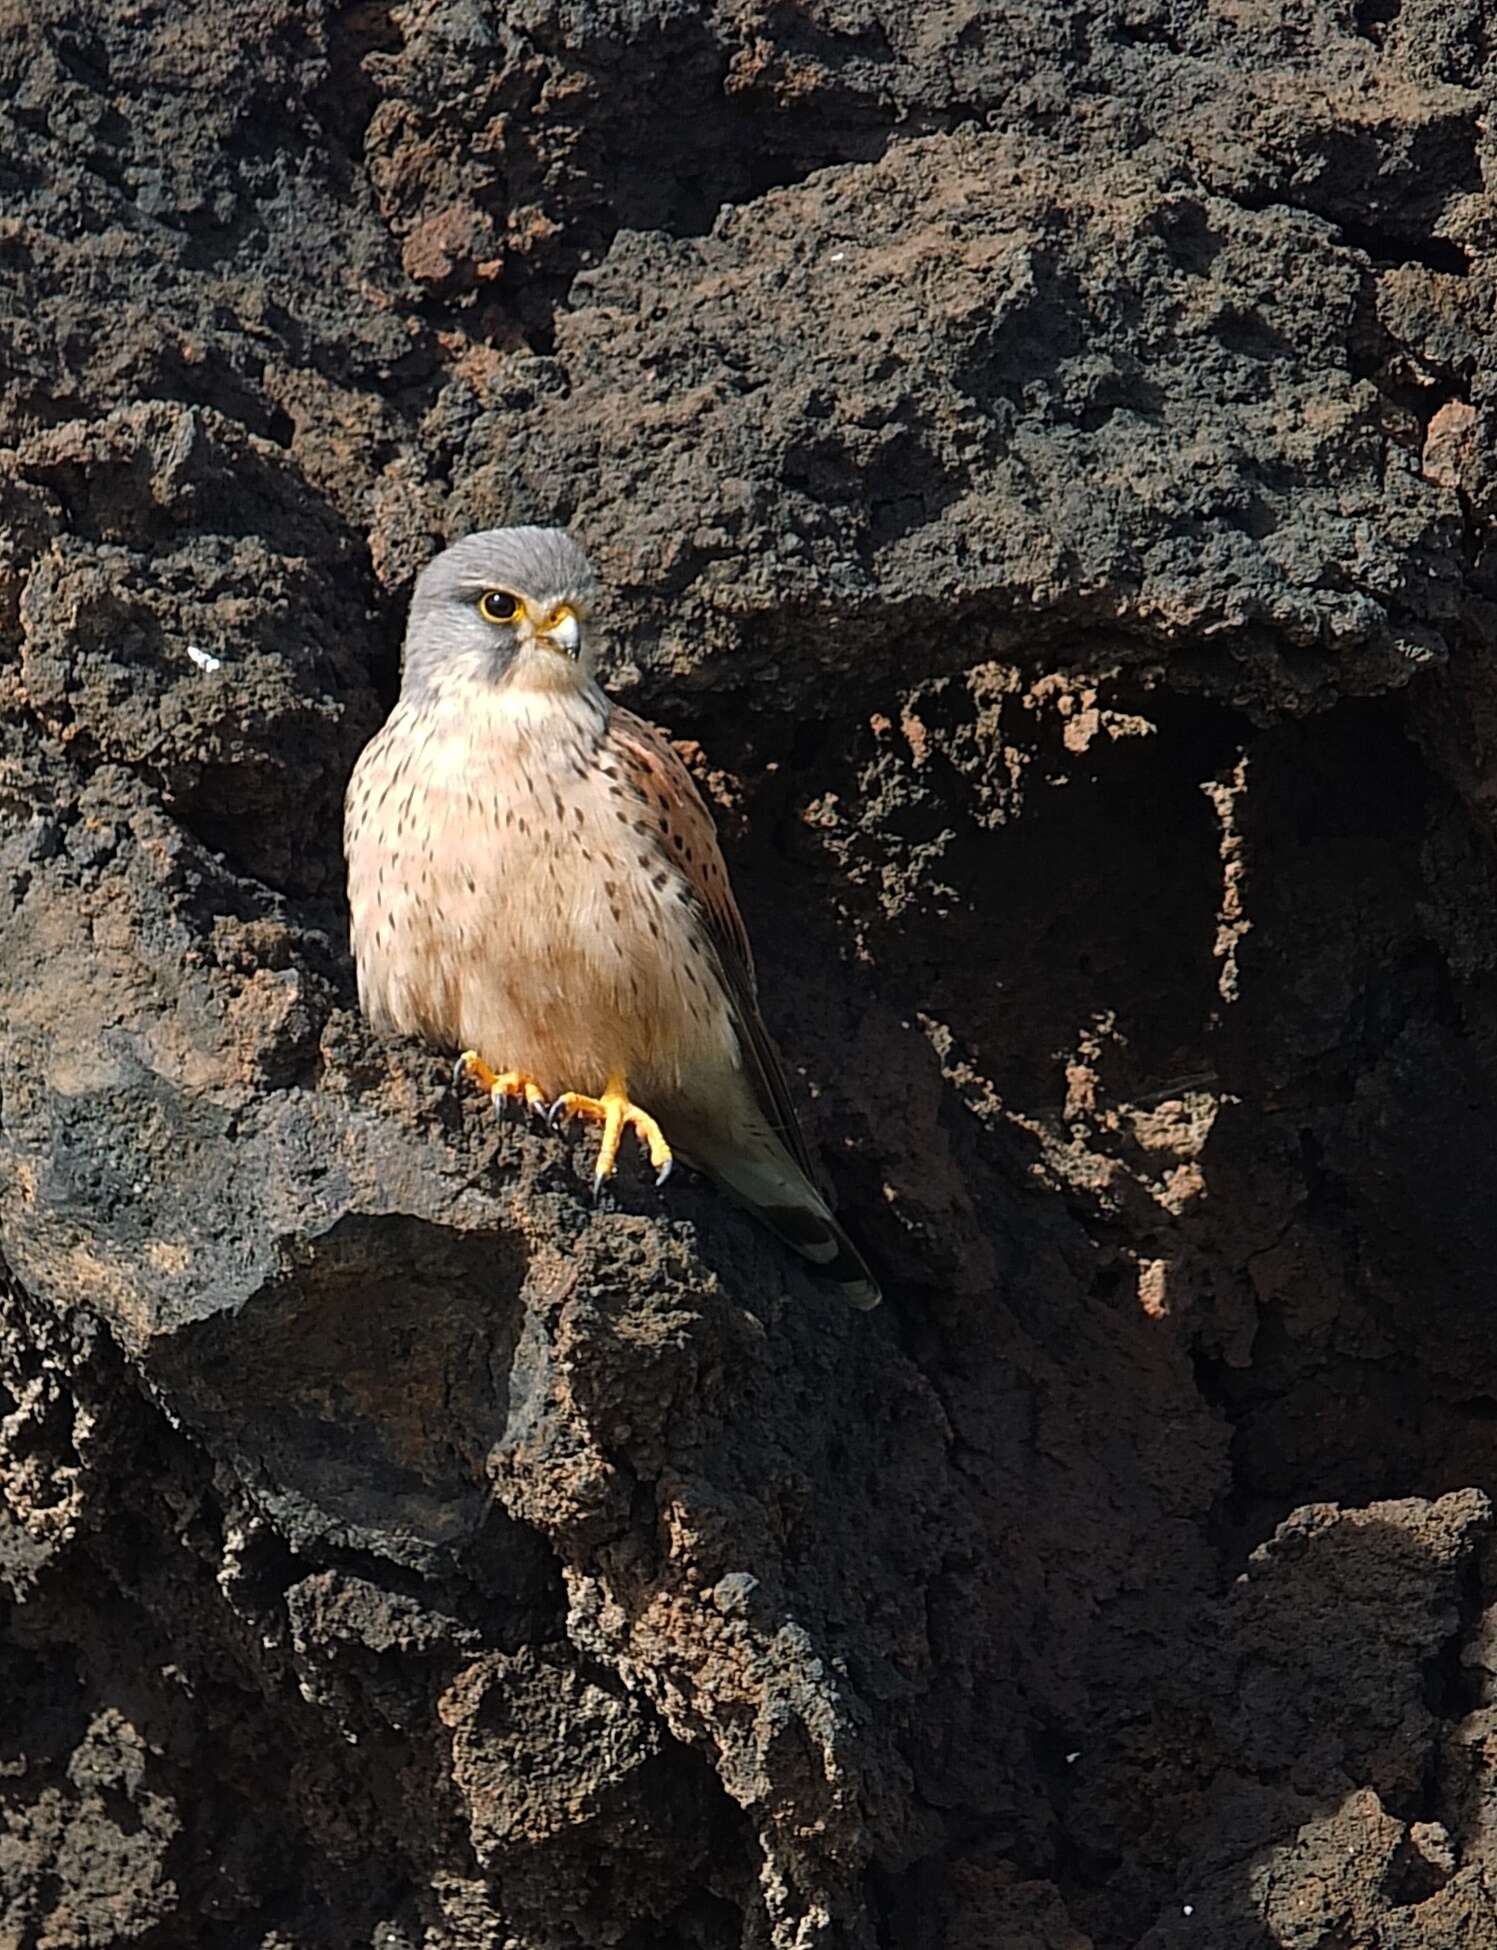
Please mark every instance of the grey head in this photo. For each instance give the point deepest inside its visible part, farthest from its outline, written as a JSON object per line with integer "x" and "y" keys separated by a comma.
{"x": 505, "y": 606}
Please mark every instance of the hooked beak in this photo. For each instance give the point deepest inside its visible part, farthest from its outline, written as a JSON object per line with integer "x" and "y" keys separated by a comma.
{"x": 563, "y": 632}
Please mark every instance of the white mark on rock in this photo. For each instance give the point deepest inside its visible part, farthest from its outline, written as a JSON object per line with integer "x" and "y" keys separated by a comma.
{"x": 731, "y": 1594}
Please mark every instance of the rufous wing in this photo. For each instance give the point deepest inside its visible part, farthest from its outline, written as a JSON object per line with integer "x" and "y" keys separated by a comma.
{"x": 772, "y": 1173}
{"x": 657, "y": 771}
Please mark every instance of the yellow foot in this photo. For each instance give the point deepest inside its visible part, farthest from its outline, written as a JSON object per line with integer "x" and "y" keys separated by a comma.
{"x": 504, "y": 1087}
{"x": 613, "y": 1111}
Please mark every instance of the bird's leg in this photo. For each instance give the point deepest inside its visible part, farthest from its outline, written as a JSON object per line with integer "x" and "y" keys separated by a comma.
{"x": 503, "y": 1087}
{"x": 613, "y": 1111}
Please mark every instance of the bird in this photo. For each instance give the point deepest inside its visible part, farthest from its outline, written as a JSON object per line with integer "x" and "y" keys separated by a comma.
{"x": 535, "y": 884}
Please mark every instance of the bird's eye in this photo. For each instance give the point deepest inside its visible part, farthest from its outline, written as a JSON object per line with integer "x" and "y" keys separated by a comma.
{"x": 498, "y": 606}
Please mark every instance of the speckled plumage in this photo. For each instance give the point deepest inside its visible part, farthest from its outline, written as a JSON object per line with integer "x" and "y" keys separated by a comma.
{"x": 533, "y": 876}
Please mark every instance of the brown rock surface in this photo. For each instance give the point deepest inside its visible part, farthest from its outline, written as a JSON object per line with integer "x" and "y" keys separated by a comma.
{"x": 1044, "y": 461}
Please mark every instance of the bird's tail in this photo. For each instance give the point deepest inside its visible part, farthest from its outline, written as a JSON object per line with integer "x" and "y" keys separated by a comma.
{"x": 767, "y": 1182}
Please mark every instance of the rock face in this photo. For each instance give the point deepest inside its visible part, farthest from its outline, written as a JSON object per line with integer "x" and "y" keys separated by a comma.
{"x": 1043, "y": 459}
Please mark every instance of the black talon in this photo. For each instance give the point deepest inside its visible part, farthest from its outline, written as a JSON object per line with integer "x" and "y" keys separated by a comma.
{"x": 552, "y": 1113}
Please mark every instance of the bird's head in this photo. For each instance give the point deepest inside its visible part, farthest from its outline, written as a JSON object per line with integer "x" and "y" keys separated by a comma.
{"x": 507, "y": 607}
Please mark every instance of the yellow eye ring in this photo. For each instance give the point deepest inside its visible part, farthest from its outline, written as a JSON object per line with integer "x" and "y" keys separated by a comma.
{"x": 499, "y": 606}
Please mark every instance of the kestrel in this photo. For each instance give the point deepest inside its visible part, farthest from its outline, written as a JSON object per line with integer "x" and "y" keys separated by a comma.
{"x": 534, "y": 881}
